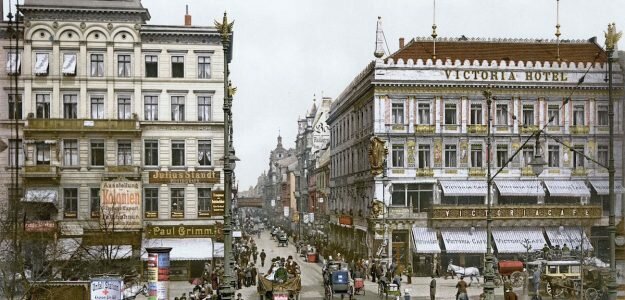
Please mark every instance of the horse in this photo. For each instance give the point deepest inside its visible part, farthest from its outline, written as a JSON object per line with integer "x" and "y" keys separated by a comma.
{"x": 465, "y": 272}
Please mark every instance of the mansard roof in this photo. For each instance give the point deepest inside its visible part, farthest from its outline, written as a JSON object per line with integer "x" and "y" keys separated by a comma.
{"x": 502, "y": 49}
{"x": 127, "y": 4}
{"x": 82, "y": 9}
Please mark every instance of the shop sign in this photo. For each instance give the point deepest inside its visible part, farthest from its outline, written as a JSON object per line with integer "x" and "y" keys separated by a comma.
{"x": 184, "y": 231}
{"x": 106, "y": 288}
{"x": 517, "y": 212}
{"x": 218, "y": 203}
{"x": 120, "y": 204}
{"x": 166, "y": 177}
{"x": 345, "y": 220}
{"x": 286, "y": 211}
{"x": 40, "y": 226}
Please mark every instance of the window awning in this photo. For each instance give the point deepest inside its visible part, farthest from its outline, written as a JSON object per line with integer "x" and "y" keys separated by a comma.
{"x": 602, "y": 187}
{"x": 41, "y": 63}
{"x": 69, "y": 64}
{"x": 564, "y": 188}
{"x": 464, "y": 240}
{"x": 515, "y": 239}
{"x": 218, "y": 250}
{"x": 183, "y": 249}
{"x": 569, "y": 236}
{"x": 464, "y": 188}
{"x": 425, "y": 240}
{"x": 13, "y": 63}
{"x": 520, "y": 188}
{"x": 41, "y": 196}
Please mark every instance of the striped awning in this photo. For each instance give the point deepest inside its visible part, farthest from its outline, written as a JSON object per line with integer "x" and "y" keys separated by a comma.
{"x": 566, "y": 188}
{"x": 463, "y": 188}
{"x": 520, "y": 188}
{"x": 603, "y": 188}
{"x": 518, "y": 239}
{"x": 464, "y": 240}
{"x": 571, "y": 236}
{"x": 425, "y": 240}
{"x": 183, "y": 249}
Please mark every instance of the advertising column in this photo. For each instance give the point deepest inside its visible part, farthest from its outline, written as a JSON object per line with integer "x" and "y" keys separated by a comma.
{"x": 158, "y": 273}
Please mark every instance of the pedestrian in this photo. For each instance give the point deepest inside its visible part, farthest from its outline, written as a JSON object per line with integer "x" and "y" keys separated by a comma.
{"x": 510, "y": 295}
{"x": 263, "y": 255}
{"x": 374, "y": 269}
{"x": 392, "y": 269}
{"x": 536, "y": 280}
{"x": 397, "y": 281}
{"x": 433, "y": 288}
{"x": 255, "y": 256}
{"x": 254, "y": 273}
{"x": 248, "y": 276}
{"x": 461, "y": 293}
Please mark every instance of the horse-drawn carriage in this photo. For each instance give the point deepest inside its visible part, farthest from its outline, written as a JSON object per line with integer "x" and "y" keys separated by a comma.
{"x": 471, "y": 272}
{"x": 511, "y": 271}
{"x": 386, "y": 289}
{"x": 336, "y": 280}
{"x": 279, "y": 286}
{"x": 283, "y": 240}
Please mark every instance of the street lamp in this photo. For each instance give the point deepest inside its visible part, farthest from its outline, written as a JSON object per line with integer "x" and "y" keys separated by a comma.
{"x": 538, "y": 162}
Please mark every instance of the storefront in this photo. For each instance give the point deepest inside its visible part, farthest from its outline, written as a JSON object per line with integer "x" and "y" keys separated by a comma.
{"x": 464, "y": 246}
{"x": 512, "y": 242}
{"x": 426, "y": 249}
{"x": 570, "y": 236}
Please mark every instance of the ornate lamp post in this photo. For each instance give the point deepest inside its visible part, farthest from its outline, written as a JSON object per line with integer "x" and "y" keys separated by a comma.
{"x": 226, "y": 289}
{"x": 489, "y": 271}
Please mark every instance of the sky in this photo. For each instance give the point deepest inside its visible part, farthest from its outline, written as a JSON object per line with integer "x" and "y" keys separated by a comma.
{"x": 288, "y": 51}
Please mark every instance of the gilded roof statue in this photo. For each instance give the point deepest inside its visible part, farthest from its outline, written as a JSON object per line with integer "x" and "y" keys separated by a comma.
{"x": 231, "y": 89}
{"x": 377, "y": 155}
{"x": 224, "y": 28}
{"x": 612, "y": 37}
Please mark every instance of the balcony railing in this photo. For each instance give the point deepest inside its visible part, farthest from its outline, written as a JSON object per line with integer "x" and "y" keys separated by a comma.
{"x": 41, "y": 171}
{"x": 122, "y": 171}
{"x": 579, "y": 129}
{"x": 425, "y": 172}
{"x": 579, "y": 172}
{"x": 477, "y": 172}
{"x": 480, "y": 129}
{"x": 424, "y": 129}
{"x": 529, "y": 129}
{"x": 81, "y": 125}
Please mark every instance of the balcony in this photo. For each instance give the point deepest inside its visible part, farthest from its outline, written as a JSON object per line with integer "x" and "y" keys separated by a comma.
{"x": 81, "y": 126}
{"x": 398, "y": 127}
{"x": 579, "y": 172}
{"x": 41, "y": 171}
{"x": 424, "y": 129}
{"x": 529, "y": 129}
{"x": 579, "y": 129}
{"x": 122, "y": 171}
{"x": 477, "y": 172}
{"x": 425, "y": 172}
{"x": 479, "y": 129}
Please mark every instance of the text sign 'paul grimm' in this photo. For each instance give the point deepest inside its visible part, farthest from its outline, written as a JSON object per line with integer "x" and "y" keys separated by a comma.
{"x": 120, "y": 205}
{"x": 185, "y": 231}
{"x": 535, "y": 212}
{"x": 184, "y": 177}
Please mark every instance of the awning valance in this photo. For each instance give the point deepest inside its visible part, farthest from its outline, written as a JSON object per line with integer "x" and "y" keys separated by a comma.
{"x": 515, "y": 239}
{"x": 183, "y": 249}
{"x": 41, "y": 196}
{"x": 465, "y": 240}
{"x": 571, "y": 236}
{"x": 565, "y": 188}
{"x": 520, "y": 188}
{"x": 603, "y": 188}
{"x": 464, "y": 188}
{"x": 425, "y": 240}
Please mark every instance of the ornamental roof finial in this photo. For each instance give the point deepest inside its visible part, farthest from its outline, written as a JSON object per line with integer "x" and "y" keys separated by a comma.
{"x": 379, "y": 40}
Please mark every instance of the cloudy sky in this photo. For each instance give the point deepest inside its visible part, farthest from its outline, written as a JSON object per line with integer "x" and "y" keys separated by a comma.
{"x": 286, "y": 51}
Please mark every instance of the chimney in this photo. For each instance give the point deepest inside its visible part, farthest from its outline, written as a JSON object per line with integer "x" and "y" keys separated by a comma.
{"x": 401, "y": 42}
{"x": 187, "y": 18}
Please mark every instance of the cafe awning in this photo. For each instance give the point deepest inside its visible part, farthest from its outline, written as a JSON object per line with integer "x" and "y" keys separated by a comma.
{"x": 520, "y": 188}
{"x": 463, "y": 188}
{"x": 602, "y": 187}
{"x": 517, "y": 239}
{"x": 571, "y": 236}
{"x": 464, "y": 240}
{"x": 425, "y": 240}
{"x": 183, "y": 249}
{"x": 218, "y": 250}
{"x": 41, "y": 196}
{"x": 566, "y": 188}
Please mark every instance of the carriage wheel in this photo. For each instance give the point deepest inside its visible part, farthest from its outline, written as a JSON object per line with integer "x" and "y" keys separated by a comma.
{"x": 591, "y": 294}
{"x": 498, "y": 280}
{"x": 553, "y": 290}
{"x": 518, "y": 279}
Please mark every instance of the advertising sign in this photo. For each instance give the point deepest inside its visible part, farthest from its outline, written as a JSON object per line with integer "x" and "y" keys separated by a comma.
{"x": 185, "y": 231}
{"x": 120, "y": 202}
{"x": 106, "y": 288}
{"x": 273, "y": 203}
{"x": 158, "y": 273}
{"x": 186, "y": 177}
{"x": 152, "y": 271}
{"x": 218, "y": 203}
{"x": 286, "y": 211}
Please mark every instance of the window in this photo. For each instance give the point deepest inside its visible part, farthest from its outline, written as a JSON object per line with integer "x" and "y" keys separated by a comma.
{"x": 578, "y": 157}
{"x": 177, "y": 66}
{"x": 553, "y": 161}
{"x": 204, "y": 108}
{"x": 123, "y": 108}
{"x": 177, "y": 153}
{"x": 177, "y": 203}
{"x": 502, "y": 155}
{"x": 528, "y": 114}
{"x": 177, "y": 108}
{"x": 70, "y": 203}
{"x": 203, "y": 202}
{"x": 69, "y": 64}
{"x": 424, "y": 156}
{"x": 124, "y": 153}
{"x": 97, "y": 153}
{"x": 204, "y": 153}
{"x": 450, "y": 114}
{"x": 528, "y": 155}
{"x": 151, "y": 66}
{"x": 15, "y": 147}
{"x": 602, "y": 115}
{"x": 476, "y": 114}
{"x": 578, "y": 115}
{"x": 97, "y": 107}
{"x": 15, "y": 106}
{"x": 43, "y": 106}
{"x": 450, "y": 156}
{"x": 553, "y": 111}
{"x": 95, "y": 202}
{"x": 14, "y": 63}
{"x": 70, "y": 106}
{"x": 42, "y": 154}
{"x": 398, "y": 156}
{"x": 417, "y": 196}
{"x": 151, "y": 108}
{"x": 602, "y": 155}
{"x": 151, "y": 202}
{"x": 398, "y": 113}
{"x": 70, "y": 153}
{"x": 204, "y": 67}
{"x": 476, "y": 156}
{"x": 151, "y": 153}
{"x": 41, "y": 64}
{"x": 502, "y": 114}
{"x": 97, "y": 65}
{"x": 424, "y": 113}
{"x": 123, "y": 65}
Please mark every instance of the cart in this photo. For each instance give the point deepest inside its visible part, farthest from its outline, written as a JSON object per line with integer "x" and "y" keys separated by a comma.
{"x": 511, "y": 271}
{"x": 338, "y": 282}
{"x": 385, "y": 289}
{"x": 595, "y": 282}
{"x": 359, "y": 286}
{"x": 281, "y": 287}
{"x": 283, "y": 240}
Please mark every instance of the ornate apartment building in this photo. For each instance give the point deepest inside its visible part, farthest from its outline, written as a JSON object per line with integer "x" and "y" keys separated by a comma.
{"x": 426, "y": 107}
{"x": 105, "y": 99}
